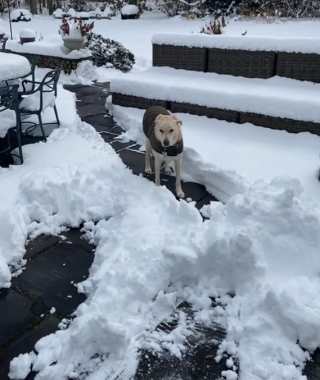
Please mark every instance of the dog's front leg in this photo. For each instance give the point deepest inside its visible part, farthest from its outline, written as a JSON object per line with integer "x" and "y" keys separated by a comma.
{"x": 157, "y": 167}
{"x": 177, "y": 163}
{"x": 147, "y": 157}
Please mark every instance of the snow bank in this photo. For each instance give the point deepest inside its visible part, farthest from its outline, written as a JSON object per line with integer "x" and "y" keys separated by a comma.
{"x": 129, "y": 9}
{"x": 261, "y": 43}
{"x": 50, "y": 46}
{"x": 27, "y": 33}
{"x": 262, "y": 246}
{"x": 2, "y": 31}
{"x": 299, "y": 100}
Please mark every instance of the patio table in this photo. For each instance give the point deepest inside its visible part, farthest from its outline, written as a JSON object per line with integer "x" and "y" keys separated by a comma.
{"x": 13, "y": 66}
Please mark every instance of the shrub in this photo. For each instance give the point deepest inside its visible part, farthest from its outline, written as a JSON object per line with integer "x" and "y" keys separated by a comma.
{"x": 107, "y": 52}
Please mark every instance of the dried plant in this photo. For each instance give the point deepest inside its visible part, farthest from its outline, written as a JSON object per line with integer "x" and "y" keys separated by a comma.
{"x": 214, "y": 27}
{"x": 83, "y": 27}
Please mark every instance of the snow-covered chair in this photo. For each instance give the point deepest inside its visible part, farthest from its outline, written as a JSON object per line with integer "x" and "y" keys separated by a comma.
{"x": 36, "y": 101}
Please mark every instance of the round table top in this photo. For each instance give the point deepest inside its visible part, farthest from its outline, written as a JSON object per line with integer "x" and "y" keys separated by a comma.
{"x": 13, "y": 66}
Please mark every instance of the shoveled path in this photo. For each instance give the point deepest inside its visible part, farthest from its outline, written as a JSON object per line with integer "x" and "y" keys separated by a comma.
{"x": 56, "y": 263}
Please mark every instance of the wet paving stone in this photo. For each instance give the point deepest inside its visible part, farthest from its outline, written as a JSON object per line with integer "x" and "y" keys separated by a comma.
{"x": 101, "y": 120}
{"x": 17, "y": 314}
{"x": 91, "y": 109}
{"x": 49, "y": 277}
{"x": 25, "y": 342}
{"x": 40, "y": 244}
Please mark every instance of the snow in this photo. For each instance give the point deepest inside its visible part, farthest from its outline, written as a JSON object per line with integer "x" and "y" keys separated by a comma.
{"x": 50, "y": 46}
{"x": 2, "y": 31}
{"x": 16, "y": 13}
{"x": 287, "y": 44}
{"x": 8, "y": 120}
{"x": 298, "y": 99}
{"x": 97, "y": 11}
{"x": 32, "y": 102}
{"x": 262, "y": 245}
{"x": 13, "y": 66}
{"x": 129, "y": 9}
{"x": 58, "y": 12}
{"x": 27, "y": 33}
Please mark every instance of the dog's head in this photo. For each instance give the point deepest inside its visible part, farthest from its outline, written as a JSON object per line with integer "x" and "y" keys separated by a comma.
{"x": 167, "y": 130}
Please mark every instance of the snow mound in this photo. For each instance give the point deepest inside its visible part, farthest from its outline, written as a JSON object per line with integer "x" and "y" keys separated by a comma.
{"x": 27, "y": 33}
{"x": 20, "y": 15}
{"x": 129, "y": 9}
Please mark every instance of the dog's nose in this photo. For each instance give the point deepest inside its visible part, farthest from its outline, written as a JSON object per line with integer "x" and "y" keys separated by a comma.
{"x": 166, "y": 142}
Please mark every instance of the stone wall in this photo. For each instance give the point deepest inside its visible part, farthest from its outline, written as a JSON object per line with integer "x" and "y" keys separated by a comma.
{"x": 50, "y": 62}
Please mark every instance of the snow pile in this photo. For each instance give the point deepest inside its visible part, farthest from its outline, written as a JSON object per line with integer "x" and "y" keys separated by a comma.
{"x": 130, "y": 9}
{"x": 13, "y": 66}
{"x": 262, "y": 246}
{"x": 58, "y": 13}
{"x": 299, "y": 100}
{"x": 262, "y": 43}
{"x": 32, "y": 102}
{"x": 27, "y": 33}
{"x": 20, "y": 15}
{"x": 2, "y": 32}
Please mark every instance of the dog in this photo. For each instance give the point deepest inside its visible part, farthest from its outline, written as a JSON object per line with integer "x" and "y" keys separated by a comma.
{"x": 164, "y": 141}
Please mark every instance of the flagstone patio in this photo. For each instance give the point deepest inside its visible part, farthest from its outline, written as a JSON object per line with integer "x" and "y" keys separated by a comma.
{"x": 44, "y": 294}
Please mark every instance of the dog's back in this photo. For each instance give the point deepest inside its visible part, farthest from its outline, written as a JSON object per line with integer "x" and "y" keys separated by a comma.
{"x": 149, "y": 118}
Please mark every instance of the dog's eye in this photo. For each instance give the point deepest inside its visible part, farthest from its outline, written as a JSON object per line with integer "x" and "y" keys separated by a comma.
{"x": 161, "y": 130}
{"x": 171, "y": 130}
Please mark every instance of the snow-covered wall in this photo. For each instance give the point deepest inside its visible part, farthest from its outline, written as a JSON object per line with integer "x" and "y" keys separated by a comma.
{"x": 290, "y": 45}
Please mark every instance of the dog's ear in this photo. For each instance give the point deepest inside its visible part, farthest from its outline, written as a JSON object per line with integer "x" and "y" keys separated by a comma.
{"x": 159, "y": 117}
{"x": 177, "y": 120}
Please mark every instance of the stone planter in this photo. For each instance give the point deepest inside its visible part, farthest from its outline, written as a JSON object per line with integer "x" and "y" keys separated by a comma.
{"x": 24, "y": 40}
{"x": 73, "y": 43}
{"x": 1, "y": 37}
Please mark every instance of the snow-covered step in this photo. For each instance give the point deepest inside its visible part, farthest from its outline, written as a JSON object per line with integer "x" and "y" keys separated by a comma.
{"x": 279, "y": 103}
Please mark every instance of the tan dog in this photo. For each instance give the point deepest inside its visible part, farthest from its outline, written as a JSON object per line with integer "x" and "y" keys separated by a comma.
{"x": 163, "y": 140}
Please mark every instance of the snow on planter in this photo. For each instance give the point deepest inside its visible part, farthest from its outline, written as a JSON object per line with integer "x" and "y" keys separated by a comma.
{"x": 288, "y": 44}
{"x": 2, "y": 32}
{"x": 298, "y": 100}
{"x": 27, "y": 33}
{"x": 129, "y": 9}
{"x": 20, "y": 15}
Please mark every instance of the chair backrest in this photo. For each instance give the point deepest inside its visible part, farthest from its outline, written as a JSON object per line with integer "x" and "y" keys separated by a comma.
{"x": 50, "y": 81}
{"x": 9, "y": 97}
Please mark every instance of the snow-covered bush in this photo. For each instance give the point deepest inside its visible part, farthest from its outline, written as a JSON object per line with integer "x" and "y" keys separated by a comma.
{"x": 130, "y": 11}
{"x": 17, "y": 15}
{"x": 83, "y": 15}
{"x": 58, "y": 13}
{"x": 214, "y": 27}
{"x": 109, "y": 53}
{"x": 27, "y": 33}
{"x": 2, "y": 32}
{"x": 72, "y": 12}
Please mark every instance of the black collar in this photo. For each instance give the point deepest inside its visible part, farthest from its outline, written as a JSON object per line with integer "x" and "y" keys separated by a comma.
{"x": 172, "y": 150}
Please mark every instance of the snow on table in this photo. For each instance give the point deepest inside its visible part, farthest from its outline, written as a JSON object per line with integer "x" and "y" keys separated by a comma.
{"x": 130, "y": 9}
{"x": 13, "y": 66}
{"x": 261, "y": 43}
{"x": 279, "y": 97}
{"x": 51, "y": 46}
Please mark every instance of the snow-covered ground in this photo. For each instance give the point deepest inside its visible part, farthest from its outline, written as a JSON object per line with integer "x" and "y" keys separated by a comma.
{"x": 154, "y": 252}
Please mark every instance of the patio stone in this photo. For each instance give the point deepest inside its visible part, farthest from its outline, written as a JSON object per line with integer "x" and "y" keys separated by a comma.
{"x": 40, "y": 244}
{"x": 47, "y": 278}
{"x": 205, "y": 201}
{"x": 25, "y": 343}
{"x": 17, "y": 314}
{"x": 118, "y": 145}
{"x": 94, "y": 99}
{"x": 91, "y": 109}
{"x": 130, "y": 157}
{"x": 87, "y": 90}
{"x": 76, "y": 239}
{"x": 99, "y": 119}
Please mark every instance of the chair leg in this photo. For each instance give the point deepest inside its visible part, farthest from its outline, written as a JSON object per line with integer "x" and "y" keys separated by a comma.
{"x": 56, "y": 113}
{"x": 18, "y": 129}
{"x": 41, "y": 126}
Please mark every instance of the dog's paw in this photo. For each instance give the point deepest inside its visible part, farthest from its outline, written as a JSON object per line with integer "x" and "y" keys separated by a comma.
{"x": 180, "y": 194}
{"x": 148, "y": 171}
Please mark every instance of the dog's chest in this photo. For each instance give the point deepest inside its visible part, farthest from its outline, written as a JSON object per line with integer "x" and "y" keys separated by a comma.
{"x": 167, "y": 158}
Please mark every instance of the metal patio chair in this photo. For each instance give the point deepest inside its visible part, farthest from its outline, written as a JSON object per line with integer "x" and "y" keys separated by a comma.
{"x": 9, "y": 114}
{"x": 36, "y": 101}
